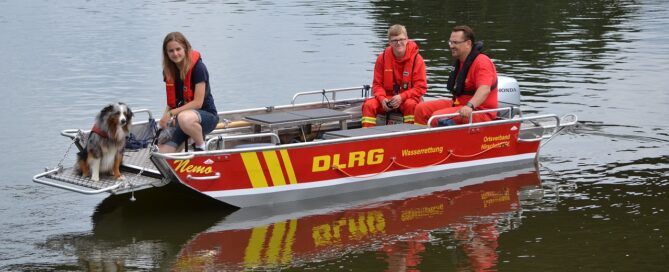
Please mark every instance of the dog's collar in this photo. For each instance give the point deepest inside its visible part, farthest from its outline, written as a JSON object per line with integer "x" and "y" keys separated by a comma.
{"x": 97, "y": 130}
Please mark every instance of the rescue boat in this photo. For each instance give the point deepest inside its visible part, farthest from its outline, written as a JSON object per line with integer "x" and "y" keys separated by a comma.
{"x": 301, "y": 151}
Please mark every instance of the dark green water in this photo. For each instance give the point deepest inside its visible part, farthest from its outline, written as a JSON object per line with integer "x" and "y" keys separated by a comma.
{"x": 601, "y": 205}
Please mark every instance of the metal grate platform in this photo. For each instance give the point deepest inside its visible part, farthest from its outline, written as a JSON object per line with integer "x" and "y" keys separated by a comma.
{"x": 132, "y": 182}
{"x": 70, "y": 175}
{"x": 134, "y": 162}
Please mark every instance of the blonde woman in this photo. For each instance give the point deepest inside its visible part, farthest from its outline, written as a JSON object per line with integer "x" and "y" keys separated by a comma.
{"x": 190, "y": 105}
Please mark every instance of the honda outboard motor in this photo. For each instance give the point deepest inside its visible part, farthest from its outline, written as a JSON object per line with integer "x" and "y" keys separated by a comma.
{"x": 508, "y": 95}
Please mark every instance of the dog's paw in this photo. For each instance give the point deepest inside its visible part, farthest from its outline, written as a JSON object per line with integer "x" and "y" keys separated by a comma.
{"x": 94, "y": 178}
{"x": 121, "y": 177}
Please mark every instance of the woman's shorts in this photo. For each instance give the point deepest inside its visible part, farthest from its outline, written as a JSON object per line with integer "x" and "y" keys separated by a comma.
{"x": 208, "y": 122}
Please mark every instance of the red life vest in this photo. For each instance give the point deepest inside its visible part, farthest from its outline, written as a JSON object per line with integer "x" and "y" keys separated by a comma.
{"x": 187, "y": 90}
{"x": 458, "y": 76}
{"x": 97, "y": 130}
{"x": 389, "y": 71}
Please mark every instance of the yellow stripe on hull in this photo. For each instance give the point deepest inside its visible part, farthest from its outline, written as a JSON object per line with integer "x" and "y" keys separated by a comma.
{"x": 289, "y": 166}
{"x": 254, "y": 170}
{"x": 275, "y": 171}
{"x": 256, "y": 174}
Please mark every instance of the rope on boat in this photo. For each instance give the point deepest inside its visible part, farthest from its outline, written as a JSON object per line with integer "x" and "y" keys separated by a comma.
{"x": 128, "y": 183}
{"x": 450, "y": 152}
{"x": 500, "y": 144}
{"x": 393, "y": 161}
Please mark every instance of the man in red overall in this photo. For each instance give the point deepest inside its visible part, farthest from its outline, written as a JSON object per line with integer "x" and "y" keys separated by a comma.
{"x": 399, "y": 79}
{"x": 473, "y": 83}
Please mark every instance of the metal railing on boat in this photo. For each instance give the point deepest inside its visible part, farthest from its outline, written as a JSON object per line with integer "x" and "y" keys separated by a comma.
{"x": 364, "y": 92}
{"x": 72, "y": 133}
{"x": 507, "y": 110}
{"x": 547, "y": 130}
{"x": 221, "y": 139}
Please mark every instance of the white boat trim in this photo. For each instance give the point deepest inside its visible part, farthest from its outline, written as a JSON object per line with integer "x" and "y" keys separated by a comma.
{"x": 265, "y": 215}
{"x": 254, "y": 196}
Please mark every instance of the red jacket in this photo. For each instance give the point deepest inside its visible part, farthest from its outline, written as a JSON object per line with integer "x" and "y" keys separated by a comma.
{"x": 389, "y": 71}
{"x": 482, "y": 72}
{"x": 188, "y": 90}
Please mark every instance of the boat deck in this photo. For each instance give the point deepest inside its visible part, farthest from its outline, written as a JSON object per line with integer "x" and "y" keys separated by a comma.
{"x": 132, "y": 181}
{"x": 138, "y": 160}
{"x": 137, "y": 169}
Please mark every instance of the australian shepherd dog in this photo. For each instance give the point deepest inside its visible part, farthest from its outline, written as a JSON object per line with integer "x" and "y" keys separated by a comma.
{"x": 103, "y": 152}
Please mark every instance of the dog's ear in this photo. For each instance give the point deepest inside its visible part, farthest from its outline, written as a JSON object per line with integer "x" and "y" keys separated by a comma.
{"x": 109, "y": 108}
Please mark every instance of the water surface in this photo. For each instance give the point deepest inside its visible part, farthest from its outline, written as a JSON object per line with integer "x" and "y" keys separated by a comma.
{"x": 601, "y": 205}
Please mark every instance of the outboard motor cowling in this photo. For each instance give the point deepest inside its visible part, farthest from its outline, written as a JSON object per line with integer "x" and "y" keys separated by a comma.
{"x": 508, "y": 95}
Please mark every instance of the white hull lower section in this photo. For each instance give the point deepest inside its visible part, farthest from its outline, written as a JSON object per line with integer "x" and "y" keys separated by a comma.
{"x": 386, "y": 181}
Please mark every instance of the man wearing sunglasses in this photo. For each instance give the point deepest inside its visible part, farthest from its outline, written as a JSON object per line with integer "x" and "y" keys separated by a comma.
{"x": 473, "y": 84}
{"x": 399, "y": 79}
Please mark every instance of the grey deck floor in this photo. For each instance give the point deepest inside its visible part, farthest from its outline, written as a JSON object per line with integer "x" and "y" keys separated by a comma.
{"x": 133, "y": 163}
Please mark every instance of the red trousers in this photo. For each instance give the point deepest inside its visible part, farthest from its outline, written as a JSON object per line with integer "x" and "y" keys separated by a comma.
{"x": 372, "y": 107}
{"x": 425, "y": 110}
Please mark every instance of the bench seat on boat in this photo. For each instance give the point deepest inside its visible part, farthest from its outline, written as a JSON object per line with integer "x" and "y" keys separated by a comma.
{"x": 370, "y": 131}
{"x": 302, "y": 117}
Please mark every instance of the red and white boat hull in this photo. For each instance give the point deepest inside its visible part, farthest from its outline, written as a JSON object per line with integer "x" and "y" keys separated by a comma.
{"x": 268, "y": 175}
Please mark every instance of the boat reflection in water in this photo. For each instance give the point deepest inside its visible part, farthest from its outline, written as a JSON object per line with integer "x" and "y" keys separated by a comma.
{"x": 472, "y": 213}
{"x": 168, "y": 229}
{"x": 141, "y": 235}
